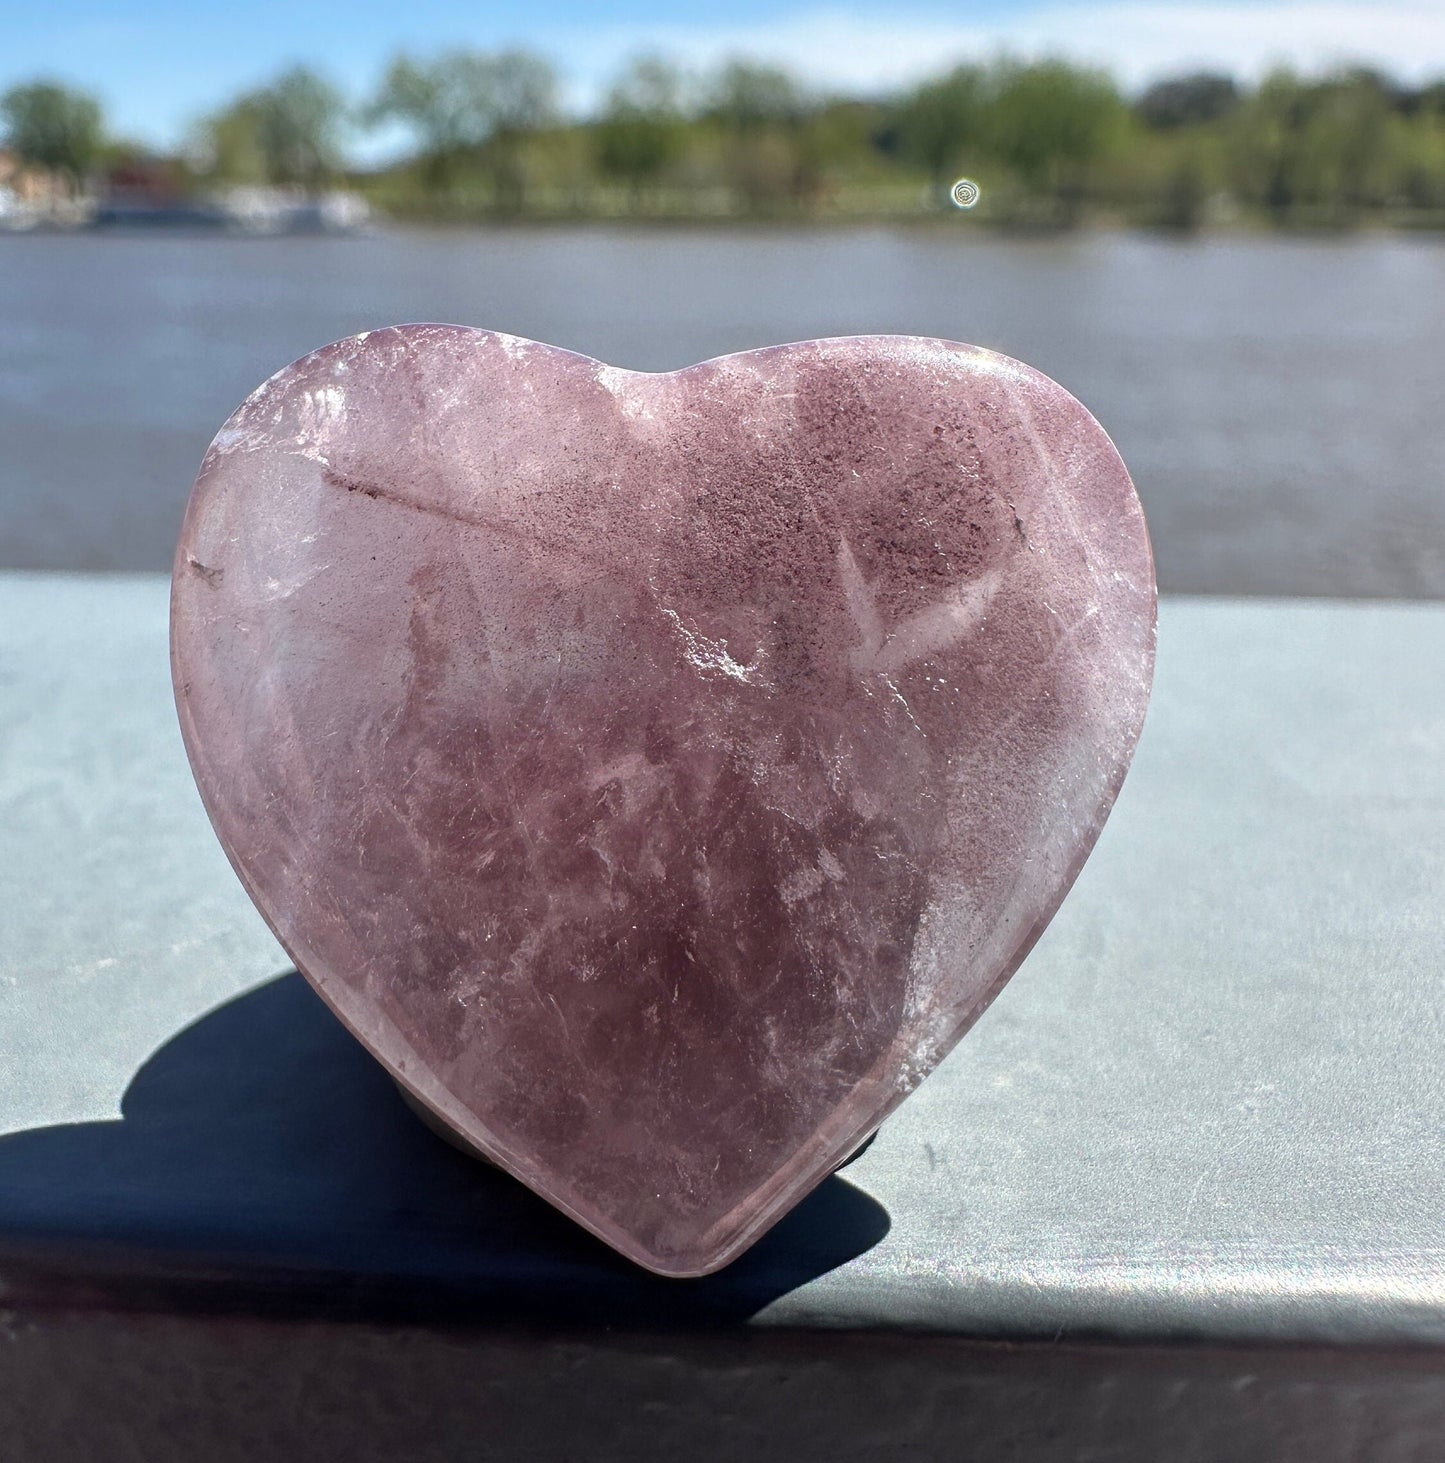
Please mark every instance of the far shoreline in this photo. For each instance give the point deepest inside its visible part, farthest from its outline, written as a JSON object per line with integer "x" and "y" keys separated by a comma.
{"x": 1431, "y": 227}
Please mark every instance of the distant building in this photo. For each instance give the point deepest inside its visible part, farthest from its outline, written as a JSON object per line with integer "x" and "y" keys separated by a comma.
{"x": 148, "y": 192}
{"x": 156, "y": 192}
{"x": 30, "y": 195}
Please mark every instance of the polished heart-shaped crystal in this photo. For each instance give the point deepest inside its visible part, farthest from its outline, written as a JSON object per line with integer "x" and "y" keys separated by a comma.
{"x": 659, "y": 773}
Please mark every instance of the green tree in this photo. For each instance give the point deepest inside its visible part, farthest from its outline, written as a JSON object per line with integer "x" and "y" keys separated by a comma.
{"x": 748, "y": 97}
{"x": 759, "y": 109}
{"x": 833, "y": 141}
{"x": 288, "y": 133}
{"x": 1264, "y": 143}
{"x": 445, "y": 103}
{"x": 53, "y": 126}
{"x": 1351, "y": 153}
{"x": 940, "y": 119}
{"x": 1427, "y": 101}
{"x": 642, "y": 128}
{"x": 226, "y": 146}
{"x": 1049, "y": 122}
{"x": 299, "y": 122}
{"x": 1422, "y": 172}
{"x": 1328, "y": 149}
{"x": 466, "y": 103}
{"x": 1184, "y": 196}
{"x": 1187, "y": 101}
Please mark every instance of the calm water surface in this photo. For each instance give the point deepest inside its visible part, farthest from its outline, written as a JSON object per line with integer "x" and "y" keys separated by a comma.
{"x": 1281, "y": 402}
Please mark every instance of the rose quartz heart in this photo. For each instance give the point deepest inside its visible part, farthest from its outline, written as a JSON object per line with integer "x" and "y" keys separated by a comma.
{"x": 659, "y": 773}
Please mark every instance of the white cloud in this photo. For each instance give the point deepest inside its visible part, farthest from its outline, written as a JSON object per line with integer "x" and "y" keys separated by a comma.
{"x": 155, "y": 82}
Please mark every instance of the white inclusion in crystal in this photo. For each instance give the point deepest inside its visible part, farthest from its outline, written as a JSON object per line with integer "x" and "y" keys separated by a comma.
{"x": 623, "y": 387}
{"x": 800, "y": 884}
{"x": 710, "y": 655}
{"x": 240, "y": 439}
{"x": 947, "y": 926}
{"x": 277, "y": 588}
{"x": 330, "y": 401}
{"x": 940, "y": 626}
{"x": 860, "y": 604}
{"x": 321, "y": 407}
{"x": 936, "y": 627}
{"x": 804, "y": 882}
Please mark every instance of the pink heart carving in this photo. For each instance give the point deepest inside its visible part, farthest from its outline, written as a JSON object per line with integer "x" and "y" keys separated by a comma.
{"x": 660, "y": 773}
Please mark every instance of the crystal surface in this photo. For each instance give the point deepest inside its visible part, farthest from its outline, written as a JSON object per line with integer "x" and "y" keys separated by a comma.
{"x": 660, "y": 773}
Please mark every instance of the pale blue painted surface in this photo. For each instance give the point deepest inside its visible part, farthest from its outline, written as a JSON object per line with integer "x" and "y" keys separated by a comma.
{"x": 1210, "y": 1104}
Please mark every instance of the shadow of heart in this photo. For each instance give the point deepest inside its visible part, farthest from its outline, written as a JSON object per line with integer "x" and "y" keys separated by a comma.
{"x": 265, "y": 1162}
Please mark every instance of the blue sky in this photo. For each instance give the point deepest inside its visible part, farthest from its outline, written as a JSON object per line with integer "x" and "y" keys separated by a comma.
{"x": 158, "y": 64}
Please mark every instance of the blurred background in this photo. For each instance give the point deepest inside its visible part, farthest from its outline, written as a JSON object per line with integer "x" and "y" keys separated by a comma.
{"x": 1220, "y": 223}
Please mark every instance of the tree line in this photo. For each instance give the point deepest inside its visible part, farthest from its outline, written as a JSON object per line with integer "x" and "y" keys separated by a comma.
{"x": 483, "y": 134}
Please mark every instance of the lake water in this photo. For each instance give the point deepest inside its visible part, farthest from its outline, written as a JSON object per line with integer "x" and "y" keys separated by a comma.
{"x": 1281, "y": 402}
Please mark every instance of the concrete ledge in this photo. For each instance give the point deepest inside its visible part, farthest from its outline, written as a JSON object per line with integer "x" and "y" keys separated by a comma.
{"x": 1208, "y": 1109}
